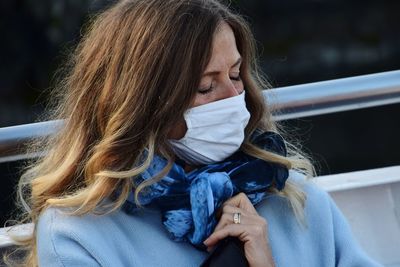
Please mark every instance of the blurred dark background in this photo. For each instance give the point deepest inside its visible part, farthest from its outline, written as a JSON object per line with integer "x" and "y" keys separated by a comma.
{"x": 300, "y": 41}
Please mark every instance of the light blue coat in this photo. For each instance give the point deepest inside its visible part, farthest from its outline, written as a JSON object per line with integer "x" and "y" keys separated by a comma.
{"x": 119, "y": 239}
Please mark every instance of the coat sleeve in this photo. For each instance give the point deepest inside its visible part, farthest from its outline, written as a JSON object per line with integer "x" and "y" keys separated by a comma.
{"x": 59, "y": 248}
{"x": 348, "y": 252}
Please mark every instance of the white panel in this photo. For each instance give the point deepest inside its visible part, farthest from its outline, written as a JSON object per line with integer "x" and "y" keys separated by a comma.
{"x": 370, "y": 200}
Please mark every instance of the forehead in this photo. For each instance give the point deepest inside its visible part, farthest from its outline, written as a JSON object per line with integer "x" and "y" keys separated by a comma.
{"x": 224, "y": 50}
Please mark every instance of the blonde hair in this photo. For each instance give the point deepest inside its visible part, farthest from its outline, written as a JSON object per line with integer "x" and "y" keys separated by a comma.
{"x": 132, "y": 76}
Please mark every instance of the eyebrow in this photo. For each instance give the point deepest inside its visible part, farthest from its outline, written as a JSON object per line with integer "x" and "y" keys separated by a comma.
{"x": 210, "y": 73}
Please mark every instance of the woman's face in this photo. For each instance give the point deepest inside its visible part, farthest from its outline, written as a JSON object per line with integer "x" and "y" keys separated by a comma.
{"x": 221, "y": 78}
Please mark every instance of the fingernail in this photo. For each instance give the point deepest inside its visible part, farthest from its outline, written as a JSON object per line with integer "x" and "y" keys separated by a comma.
{"x": 205, "y": 242}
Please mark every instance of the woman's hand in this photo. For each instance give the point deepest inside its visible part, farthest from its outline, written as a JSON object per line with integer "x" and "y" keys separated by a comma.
{"x": 252, "y": 230}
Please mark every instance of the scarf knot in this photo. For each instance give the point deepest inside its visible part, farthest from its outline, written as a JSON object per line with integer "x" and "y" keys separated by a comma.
{"x": 188, "y": 201}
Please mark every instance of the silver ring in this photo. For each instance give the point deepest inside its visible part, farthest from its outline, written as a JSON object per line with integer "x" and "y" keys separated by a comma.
{"x": 236, "y": 218}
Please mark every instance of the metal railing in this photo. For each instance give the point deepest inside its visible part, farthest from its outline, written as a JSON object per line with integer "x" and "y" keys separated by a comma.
{"x": 335, "y": 95}
{"x": 286, "y": 103}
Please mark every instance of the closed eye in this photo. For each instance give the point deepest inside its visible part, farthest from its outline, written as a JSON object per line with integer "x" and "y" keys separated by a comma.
{"x": 236, "y": 78}
{"x": 206, "y": 90}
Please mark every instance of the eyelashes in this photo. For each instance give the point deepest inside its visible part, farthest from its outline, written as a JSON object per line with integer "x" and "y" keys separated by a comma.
{"x": 236, "y": 78}
{"x": 204, "y": 91}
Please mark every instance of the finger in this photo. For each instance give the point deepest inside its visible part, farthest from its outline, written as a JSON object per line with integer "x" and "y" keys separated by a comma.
{"x": 242, "y": 201}
{"x": 226, "y": 215}
{"x": 223, "y": 221}
{"x": 227, "y": 208}
{"x": 227, "y": 218}
{"x": 215, "y": 237}
{"x": 246, "y": 218}
{"x": 243, "y": 232}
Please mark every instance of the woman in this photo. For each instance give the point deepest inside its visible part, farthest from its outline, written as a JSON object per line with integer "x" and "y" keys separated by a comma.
{"x": 168, "y": 148}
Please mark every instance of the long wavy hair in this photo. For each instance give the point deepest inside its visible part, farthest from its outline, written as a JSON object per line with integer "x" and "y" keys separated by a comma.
{"x": 130, "y": 79}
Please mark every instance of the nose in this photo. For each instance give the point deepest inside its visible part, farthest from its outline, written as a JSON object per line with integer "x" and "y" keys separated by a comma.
{"x": 229, "y": 90}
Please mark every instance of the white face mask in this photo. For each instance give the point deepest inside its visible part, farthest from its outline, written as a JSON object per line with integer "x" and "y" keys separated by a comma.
{"x": 214, "y": 131}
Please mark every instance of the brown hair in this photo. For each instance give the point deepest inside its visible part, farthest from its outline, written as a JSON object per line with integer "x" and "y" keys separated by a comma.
{"x": 132, "y": 76}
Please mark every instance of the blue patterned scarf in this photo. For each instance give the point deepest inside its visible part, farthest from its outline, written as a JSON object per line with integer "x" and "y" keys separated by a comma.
{"x": 188, "y": 201}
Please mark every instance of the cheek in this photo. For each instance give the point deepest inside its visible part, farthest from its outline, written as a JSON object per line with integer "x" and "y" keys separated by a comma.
{"x": 201, "y": 100}
{"x": 240, "y": 87}
{"x": 178, "y": 131}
